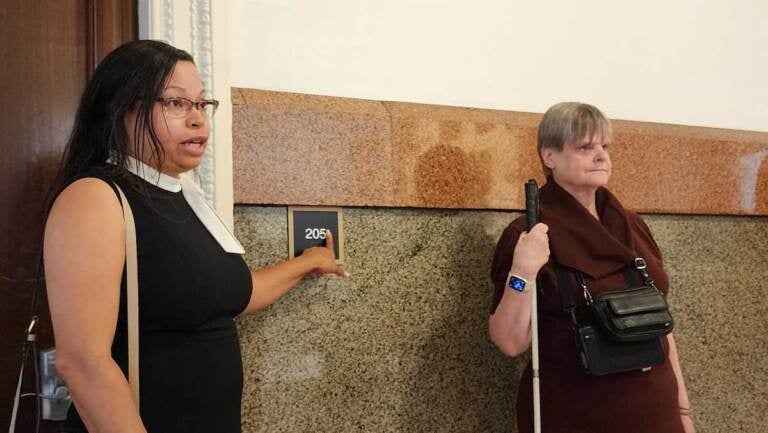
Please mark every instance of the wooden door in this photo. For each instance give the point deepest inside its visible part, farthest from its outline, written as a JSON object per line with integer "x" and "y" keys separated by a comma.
{"x": 48, "y": 48}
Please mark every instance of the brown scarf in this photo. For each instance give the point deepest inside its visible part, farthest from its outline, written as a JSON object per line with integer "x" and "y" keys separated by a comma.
{"x": 578, "y": 240}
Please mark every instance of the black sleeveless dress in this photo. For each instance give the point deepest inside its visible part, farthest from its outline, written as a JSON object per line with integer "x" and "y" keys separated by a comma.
{"x": 190, "y": 290}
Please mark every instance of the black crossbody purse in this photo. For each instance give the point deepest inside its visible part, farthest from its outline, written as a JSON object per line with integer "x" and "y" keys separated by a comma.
{"x": 629, "y": 324}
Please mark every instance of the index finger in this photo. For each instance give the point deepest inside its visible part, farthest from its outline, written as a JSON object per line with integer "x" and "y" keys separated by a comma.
{"x": 329, "y": 241}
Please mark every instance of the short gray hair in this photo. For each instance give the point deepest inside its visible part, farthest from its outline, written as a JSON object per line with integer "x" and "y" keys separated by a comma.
{"x": 570, "y": 121}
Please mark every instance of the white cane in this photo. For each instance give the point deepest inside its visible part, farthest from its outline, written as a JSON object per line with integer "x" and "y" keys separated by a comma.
{"x": 532, "y": 217}
{"x": 535, "y": 363}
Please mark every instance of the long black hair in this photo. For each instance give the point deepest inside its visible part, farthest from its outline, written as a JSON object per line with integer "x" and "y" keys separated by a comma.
{"x": 131, "y": 77}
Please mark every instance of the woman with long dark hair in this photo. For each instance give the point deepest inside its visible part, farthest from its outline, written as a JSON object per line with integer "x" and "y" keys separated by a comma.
{"x": 143, "y": 123}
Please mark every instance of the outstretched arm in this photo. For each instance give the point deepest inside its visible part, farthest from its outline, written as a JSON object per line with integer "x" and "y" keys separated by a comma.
{"x": 271, "y": 283}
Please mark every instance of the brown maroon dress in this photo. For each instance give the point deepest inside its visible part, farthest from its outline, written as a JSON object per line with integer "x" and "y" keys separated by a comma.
{"x": 571, "y": 401}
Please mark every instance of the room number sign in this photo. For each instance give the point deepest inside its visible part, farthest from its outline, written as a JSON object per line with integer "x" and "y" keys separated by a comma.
{"x": 308, "y": 227}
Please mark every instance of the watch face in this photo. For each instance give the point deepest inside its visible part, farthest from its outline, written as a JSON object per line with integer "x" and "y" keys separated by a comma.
{"x": 517, "y": 284}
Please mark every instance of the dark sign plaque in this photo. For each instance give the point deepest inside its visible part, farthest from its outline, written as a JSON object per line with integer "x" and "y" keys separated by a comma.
{"x": 307, "y": 228}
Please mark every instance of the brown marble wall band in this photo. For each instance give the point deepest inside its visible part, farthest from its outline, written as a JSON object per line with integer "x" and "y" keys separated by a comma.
{"x": 320, "y": 150}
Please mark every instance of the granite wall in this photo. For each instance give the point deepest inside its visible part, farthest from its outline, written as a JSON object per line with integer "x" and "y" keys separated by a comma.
{"x": 300, "y": 149}
{"x": 402, "y": 345}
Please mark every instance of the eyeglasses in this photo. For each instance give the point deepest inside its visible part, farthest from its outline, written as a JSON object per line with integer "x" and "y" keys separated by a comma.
{"x": 179, "y": 107}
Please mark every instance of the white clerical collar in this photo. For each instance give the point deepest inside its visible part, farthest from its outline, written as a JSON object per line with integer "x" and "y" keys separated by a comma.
{"x": 194, "y": 197}
{"x": 144, "y": 171}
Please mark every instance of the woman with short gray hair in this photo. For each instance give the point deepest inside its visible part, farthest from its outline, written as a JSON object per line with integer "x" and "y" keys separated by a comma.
{"x": 586, "y": 243}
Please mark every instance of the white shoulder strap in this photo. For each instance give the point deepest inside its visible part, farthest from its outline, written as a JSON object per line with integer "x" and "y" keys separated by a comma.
{"x": 25, "y": 349}
{"x": 132, "y": 279}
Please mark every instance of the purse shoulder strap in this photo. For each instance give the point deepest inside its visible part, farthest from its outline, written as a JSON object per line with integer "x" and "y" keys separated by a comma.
{"x": 630, "y": 276}
{"x": 566, "y": 295}
{"x": 132, "y": 283}
{"x": 637, "y": 265}
{"x": 641, "y": 267}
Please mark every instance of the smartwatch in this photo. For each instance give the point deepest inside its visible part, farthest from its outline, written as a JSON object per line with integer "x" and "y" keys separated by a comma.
{"x": 516, "y": 283}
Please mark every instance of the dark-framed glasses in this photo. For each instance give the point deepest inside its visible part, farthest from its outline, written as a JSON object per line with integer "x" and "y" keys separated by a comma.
{"x": 178, "y": 107}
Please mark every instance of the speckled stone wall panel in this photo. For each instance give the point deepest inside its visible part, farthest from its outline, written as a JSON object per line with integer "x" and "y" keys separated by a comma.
{"x": 402, "y": 345}
{"x": 719, "y": 281}
{"x": 304, "y": 149}
{"x": 676, "y": 169}
{"x": 291, "y": 149}
{"x": 452, "y": 157}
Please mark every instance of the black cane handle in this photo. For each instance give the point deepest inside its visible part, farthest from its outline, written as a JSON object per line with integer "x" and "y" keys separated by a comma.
{"x": 531, "y": 203}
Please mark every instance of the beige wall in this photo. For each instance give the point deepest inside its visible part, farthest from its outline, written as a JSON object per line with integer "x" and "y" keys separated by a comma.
{"x": 686, "y": 62}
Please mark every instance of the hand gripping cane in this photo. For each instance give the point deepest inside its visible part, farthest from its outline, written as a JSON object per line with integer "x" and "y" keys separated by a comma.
{"x": 532, "y": 217}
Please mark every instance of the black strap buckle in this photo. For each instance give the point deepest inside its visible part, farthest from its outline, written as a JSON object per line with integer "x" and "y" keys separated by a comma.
{"x": 640, "y": 263}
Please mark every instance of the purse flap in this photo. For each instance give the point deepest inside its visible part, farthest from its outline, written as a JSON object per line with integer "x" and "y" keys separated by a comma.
{"x": 653, "y": 301}
{"x": 657, "y": 319}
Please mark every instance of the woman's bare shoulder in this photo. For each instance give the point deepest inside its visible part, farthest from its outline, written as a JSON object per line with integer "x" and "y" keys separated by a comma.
{"x": 86, "y": 205}
{"x": 85, "y": 196}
